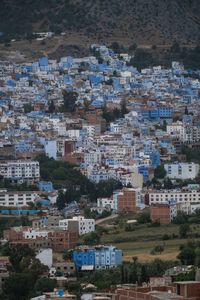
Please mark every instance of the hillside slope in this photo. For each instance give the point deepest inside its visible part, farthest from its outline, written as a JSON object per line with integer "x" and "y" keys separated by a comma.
{"x": 142, "y": 21}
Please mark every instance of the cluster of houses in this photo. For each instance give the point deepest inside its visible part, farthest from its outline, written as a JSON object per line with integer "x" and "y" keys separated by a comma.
{"x": 152, "y": 113}
{"x": 123, "y": 124}
{"x": 161, "y": 114}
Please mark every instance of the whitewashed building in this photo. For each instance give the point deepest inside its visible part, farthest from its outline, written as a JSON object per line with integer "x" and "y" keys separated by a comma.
{"x": 182, "y": 170}
{"x": 17, "y": 199}
{"x": 84, "y": 225}
{"x": 20, "y": 169}
{"x": 177, "y": 196}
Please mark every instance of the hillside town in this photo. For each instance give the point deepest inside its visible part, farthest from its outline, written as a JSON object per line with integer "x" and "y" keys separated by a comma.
{"x": 83, "y": 143}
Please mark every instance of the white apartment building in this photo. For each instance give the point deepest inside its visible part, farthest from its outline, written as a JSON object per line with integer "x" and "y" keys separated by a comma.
{"x": 33, "y": 234}
{"x": 20, "y": 169}
{"x": 188, "y": 208}
{"x": 116, "y": 127}
{"x": 92, "y": 158}
{"x": 185, "y": 132}
{"x": 182, "y": 170}
{"x": 118, "y": 153}
{"x": 178, "y": 130}
{"x": 111, "y": 202}
{"x": 84, "y": 225}
{"x": 17, "y": 199}
{"x": 174, "y": 196}
{"x": 92, "y": 129}
{"x": 97, "y": 175}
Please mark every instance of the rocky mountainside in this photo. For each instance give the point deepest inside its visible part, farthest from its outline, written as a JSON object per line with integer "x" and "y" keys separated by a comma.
{"x": 141, "y": 21}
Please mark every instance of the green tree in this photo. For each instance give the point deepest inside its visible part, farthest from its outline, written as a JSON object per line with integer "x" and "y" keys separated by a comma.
{"x": 19, "y": 286}
{"x": 18, "y": 253}
{"x": 52, "y": 107}
{"x": 92, "y": 238}
{"x": 186, "y": 110}
{"x": 123, "y": 108}
{"x": 115, "y": 47}
{"x": 106, "y": 188}
{"x": 197, "y": 258}
{"x": 183, "y": 230}
{"x": 60, "y": 201}
{"x": 168, "y": 184}
{"x": 181, "y": 218}
{"x": 142, "y": 59}
{"x": 67, "y": 255}
{"x": 157, "y": 249}
{"x": 144, "y": 218}
{"x": 189, "y": 276}
{"x": 74, "y": 287}
{"x": 43, "y": 285}
{"x": 187, "y": 255}
{"x": 133, "y": 47}
{"x": 69, "y": 101}
{"x": 160, "y": 172}
{"x": 28, "y": 108}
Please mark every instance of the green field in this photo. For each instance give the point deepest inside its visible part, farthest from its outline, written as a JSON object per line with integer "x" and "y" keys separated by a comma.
{"x": 144, "y": 238}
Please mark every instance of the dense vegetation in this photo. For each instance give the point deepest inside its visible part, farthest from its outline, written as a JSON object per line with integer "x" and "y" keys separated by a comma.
{"x": 68, "y": 176}
{"x": 6, "y": 223}
{"x": 133, "y": 272}
{"x": 145, "y": 58}
{"x": 24, "y": 281}
{"x": 147, "y": 21}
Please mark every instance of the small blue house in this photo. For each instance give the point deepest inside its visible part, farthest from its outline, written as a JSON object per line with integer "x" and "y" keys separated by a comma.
{"x": 45, "y": 186}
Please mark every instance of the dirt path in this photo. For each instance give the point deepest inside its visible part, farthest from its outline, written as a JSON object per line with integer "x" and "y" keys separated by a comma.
{"x": 98, "y": 222}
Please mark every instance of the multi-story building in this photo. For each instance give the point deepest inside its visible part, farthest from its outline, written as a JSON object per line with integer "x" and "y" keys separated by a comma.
{"x": 20, "y": 170}
{"x": 111, "y": 203}
{"x": 84, "y": 225}
{"x": 63, "y": 239}
{"x": 65, "y": 268}
{"x": 177, "y": 196}
{"x": 178, "y": 130}
{"x": 17, "y": 199}
{"x": 34, "y": 234}
{"x": 92, "y": 157}
{"x": 57, "y": 239}
{"x": 129, "y": 200}
{"x": 84, "y": 260}
{"x": 161, "y": 213}
{"x": 46, "y": 222}
{"x": 182, "y": 170}
{"x": 107, "y": 257}
{"x": 99, "y": 257}
{"x": 186, "y": 133}
{"x": 97, "y": 175}
{"x": 185, "y": 290}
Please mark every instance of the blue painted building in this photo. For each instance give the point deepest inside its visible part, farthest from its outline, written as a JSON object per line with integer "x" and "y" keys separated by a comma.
{"x": 23, "y": 146}
{"x": 107, "y": 257}
{"x": 97, "y": 258}
{"x": 187, "y": 119}
{"x": 95, "y": 79}
{"x": 144, "y": 170}
{"x": 43, "y": 61}
{"x": 45, "y": 186}
{"x": 156, "y": 112}
{"x": 165, "y": 112}
{"x": 84, "y": 260}
{"x": 155, "y": 159}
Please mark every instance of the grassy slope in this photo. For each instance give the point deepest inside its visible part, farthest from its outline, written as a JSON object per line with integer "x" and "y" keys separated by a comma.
{"x": 143, "y": 239}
